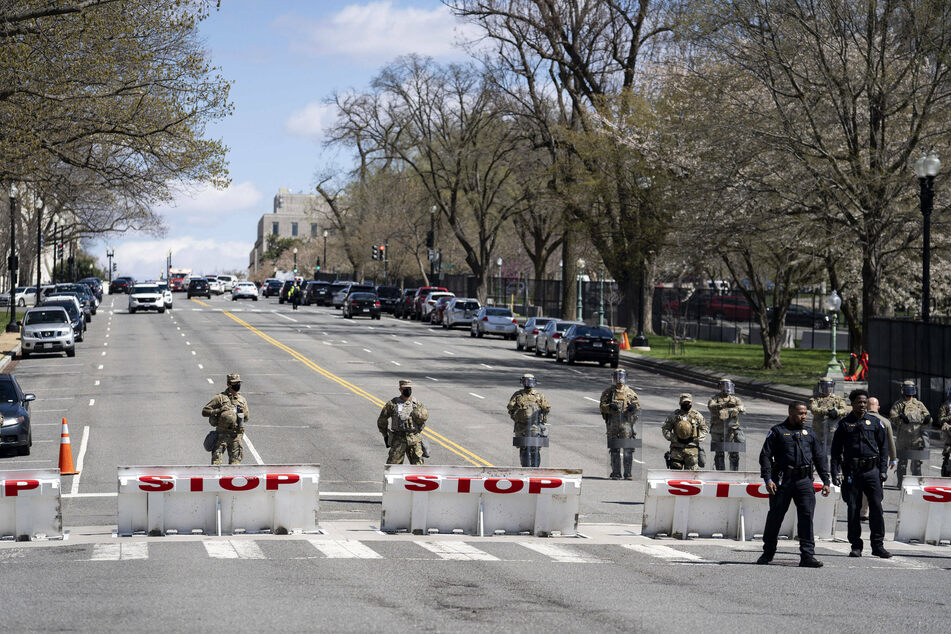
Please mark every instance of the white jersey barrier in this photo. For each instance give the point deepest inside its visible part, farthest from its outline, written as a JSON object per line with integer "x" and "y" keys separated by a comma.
{"x": 924, "y": 510}
{"x": 480, "y": 500}
{"x": 216, "y": 500}
{"x": 30, "y": 504}
{"x": 721, "y": 503}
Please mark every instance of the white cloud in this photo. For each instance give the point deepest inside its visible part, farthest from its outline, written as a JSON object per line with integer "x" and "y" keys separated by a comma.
{"x": 376, "y": 32}
{"x": 205, "y": 204}
{"x": 310, "y": 121}
{"x": 145, "y": 259}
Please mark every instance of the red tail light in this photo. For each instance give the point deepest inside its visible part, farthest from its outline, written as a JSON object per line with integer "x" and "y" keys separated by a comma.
{"x": 535, "y": 331}
{"x": 376, "y": 303}
{"x": 354, "y": 304}
{"x": 557, "y": 335}
{"x": 485, "y": 319}
{"x": 515, "y": 321}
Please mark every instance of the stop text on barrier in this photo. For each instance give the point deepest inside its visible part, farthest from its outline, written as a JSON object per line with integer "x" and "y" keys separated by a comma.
{"x": 476, "y": 485}
{"x": 721, "y": 489}
{"x": 232, "y": 484}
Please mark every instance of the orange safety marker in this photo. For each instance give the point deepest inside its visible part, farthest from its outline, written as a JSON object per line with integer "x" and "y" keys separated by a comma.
{"x": 66, "y": 453}
{"x": 625, "y": 344}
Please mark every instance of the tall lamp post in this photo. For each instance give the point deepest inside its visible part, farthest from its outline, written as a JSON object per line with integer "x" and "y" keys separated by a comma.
{"x": 833, "y": 303}
{"x": 295, "y": 261}
{"x": 580, "y": 264}
{"x": 38, "y": 204}
{"x": 601, "y": 297}
{"x": 431, "y": 245}
{"x": 13, "y": 264}
{"x": 110, "y": 253}
{"x": 324, "y": 261}
{"x": 499, "y": 263}
{"x": 926, "y": 168}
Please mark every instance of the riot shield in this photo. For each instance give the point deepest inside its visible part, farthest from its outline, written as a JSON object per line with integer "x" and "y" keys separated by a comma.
{"x": 528, "y": 445}
{"x": 623, "y": 441}
{"x": 732, "y": 445}
{"x": 912, "y": 459}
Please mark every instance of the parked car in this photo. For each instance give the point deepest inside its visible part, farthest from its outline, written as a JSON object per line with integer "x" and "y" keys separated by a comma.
{"x": 83, "y": 303}
{"x": 244, "y": 290}
{"x": 166, "y": 295}
{"x": 389, "y": 297}
{"x": 22, "y": 296}
{"x": 146, "y": 297}
{"x": 314, "y": 292}
{"x": 529, "y": 331}
{"x": 176, "y": 284}
{"x": 340, "y": 297}
{"x": 548, "y": 337}
{"x": 587, "y": 343}
{"x": 198, "y": 286}
{"x": 797, "y": 315}
{"x": 75, "y": 312}
{"x": 46, "y": 329}
{"x": 438, "y": 311}
{"x": 420, "y": 296}
{"x": 15, "y": 409}
{"x": 459, "y": 312}
{"x": 362, "y": 304}
{"x": 82, "y": 293}
{"x": 403, "y": 307}
{"x": 272, "y": 288}
{"x": 286, "y": 286}
{"x": 729, "y": 307}
{"x": 227, "y": 282}
{"x": 121, "y": 285}
{"x": 490, "y": 320}
{"x": 428, "y": 304}
{"x": 95, "y": 285}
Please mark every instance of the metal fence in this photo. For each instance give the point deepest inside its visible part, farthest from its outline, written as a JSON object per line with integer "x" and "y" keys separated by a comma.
{"x": 902, "y": 349}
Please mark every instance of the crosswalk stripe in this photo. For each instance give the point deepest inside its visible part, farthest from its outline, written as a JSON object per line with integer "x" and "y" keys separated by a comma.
{"x": 115, "y": 552}
{"x": 663, "y": 552}
{"x": 344, "y": 549}
{"x": 233, "y": 549}
{"x": 896, "y": 560}
{"x": 560, "y": 553}
{"x": 457, "y": 551}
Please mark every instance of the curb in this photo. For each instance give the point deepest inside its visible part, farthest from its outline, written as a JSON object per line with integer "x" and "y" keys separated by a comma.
{"x": 777, "y": 392}
{"x": 9, "y": 357}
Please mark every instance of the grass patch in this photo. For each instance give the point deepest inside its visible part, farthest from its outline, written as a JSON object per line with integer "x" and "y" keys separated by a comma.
{"x": 5, "y": 317}
{"x": 801, "y": 368}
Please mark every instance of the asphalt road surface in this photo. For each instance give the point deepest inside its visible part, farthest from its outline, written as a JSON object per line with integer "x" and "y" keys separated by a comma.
{"x": 133, "y": 396}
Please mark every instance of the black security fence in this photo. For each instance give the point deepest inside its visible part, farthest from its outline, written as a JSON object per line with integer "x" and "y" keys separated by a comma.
{"x": 902, "y": 349}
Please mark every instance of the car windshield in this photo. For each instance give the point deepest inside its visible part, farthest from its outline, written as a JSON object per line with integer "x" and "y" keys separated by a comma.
{"x": 541, "y": 321}
{"x": 51, "y": 316}
{"x": 362, "y": 289}
{"x": 197, "y": 283}
{"x": 468, "y": 305}
{"x": 561, "y": 326}
{"x": 7, "y": 393}
{"x": 498, "y": 312}
{"x": 142, "y": 288}
{"x": 388, "y": 291}
{"x": 69, "y": 306}
{"x": 592, "y": 331}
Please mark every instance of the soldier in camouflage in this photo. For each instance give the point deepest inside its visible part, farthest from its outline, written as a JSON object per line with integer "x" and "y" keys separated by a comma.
{"x": 944, "y": 423}
{"x": 725, "y": 409}
{"x": 910, "y": 419}
{"x": 401, "y": 422}
{"x": 529, "y": 409}
{"x": 826, "y": 409}
{"x": 685, "y": 428}
{"x": 228, "y": 412}
{"x": 619, "y": 408}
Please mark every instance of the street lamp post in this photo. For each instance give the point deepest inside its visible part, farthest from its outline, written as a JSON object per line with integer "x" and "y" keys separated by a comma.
{"x": 110, "y": 253}
{"x": 324, "y": 261}
{"x": 833, "y": 303}
{"x": 295, "y": 260}
{"x": 13, "y": 264}
{"x": 601, "y": 297}
{"x": 39, "y": 247}
{"x": 926, "y": 168}
{"x": 580, "y": 264}
{"x": 499, "y": 263}
{"x": 431, "y": 245}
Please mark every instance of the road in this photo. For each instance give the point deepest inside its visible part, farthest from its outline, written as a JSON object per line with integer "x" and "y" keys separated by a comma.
{"x": 314, "y": 383}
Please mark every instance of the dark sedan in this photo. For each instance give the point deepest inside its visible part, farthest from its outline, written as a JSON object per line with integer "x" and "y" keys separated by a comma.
{"x": 405, "y": 302}
{"x": 15, "y": 406}
{"x": 587, "y": 343}
{"x": 362, "y": 305}
{"x": 198, "y": 286}
{"x": 121, "y": 285}
{"x": 273, "y": 288}
{"x": 797, "y": 315}
{"x": 389, "y": 297}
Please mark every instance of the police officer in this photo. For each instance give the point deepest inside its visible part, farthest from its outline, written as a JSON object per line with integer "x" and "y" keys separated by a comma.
{"x": 227, "y": 413}
{"x": 725, "y": 409}
{"x": 295, "y": 294}
{"x": 529, "y": 409}
{"x": 619, "y": 408}
{"x": 860, "y": 450}
{"x": 944, "y": 424}
{"x": 910, "y": 418}
{"x": 786, "y": 464}
{"x": 826, "y": 408}
{"x": 685, "y": 428}
{"x": 401, "y": 422}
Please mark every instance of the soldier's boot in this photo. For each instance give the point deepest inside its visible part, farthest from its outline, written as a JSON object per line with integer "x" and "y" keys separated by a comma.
{"x": 425, "y": 449}
{"x": 667, "y": 460}
{"x": 628, "y": 460}
{"x": 734, "y": 461}
{"x": 900, "y": 472}
{"x": 916, "y": 467}
{"x": 616, "y": 465}
{"x": 946, "y": 464}
{"x": 523, "y": 457}
{"x": 536, "y": 457}
{"x": 718, "y": 461}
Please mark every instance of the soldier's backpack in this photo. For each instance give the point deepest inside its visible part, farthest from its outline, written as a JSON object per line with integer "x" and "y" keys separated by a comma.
{"x": 683, "y": 429}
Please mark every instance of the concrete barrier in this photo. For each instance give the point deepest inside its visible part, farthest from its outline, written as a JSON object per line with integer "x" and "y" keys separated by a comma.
{"x": 480, "y": 500}
{"x": 216, "y": 500}
{"x": 924, "y": 510}
{"x": 30, "y": 504}
{"x": 730, "y": 504}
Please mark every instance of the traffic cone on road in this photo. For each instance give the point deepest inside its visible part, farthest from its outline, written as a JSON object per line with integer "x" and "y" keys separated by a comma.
{"x": 66, "y": 453}
{"x": 625, "y": 344}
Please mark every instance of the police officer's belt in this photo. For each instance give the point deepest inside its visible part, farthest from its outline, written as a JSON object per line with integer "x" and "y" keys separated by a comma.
{"x": 861, "y": 465}
{"x": 797, "y": 473}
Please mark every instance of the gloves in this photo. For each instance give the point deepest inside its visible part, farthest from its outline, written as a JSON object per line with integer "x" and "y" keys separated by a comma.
{"x": 614, "y": 407}
{"x": 928, "y": 420}
{"x": 945, "y": 427}
{"x": 883, "y": 476}
{"x": 837, "y": 480}
{"x": 632, "y": 407}
{"x": 832, "y": 412}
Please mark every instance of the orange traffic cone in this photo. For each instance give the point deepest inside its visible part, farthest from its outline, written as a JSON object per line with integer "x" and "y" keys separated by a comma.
{"x": 66, "y": 453}
{"x": 625, "y": 344}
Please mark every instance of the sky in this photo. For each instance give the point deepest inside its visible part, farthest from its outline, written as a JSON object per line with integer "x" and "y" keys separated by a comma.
{"x": 285, "y": 59}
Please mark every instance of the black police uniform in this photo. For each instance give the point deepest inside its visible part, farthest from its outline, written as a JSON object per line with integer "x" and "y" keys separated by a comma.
{"x": 860, "y": 449}
{"x": 787, "y": 459}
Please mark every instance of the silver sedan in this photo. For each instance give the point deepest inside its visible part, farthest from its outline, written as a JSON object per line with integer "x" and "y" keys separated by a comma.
{"x": 494, "y": 321}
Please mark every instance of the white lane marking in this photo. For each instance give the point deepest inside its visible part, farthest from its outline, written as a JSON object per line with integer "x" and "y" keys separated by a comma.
{"x": 74, "y": 488}
{"x": 327, "y": 343}
{"x": 593, "y": 400}
{"x": 417, "y": 343}
{"x": 560, "y": 553}
{"x": 92, "y": 402}
{"x": 368, "y": 350}
{"x": 107, "y": 336}
{"x": 344, "y": 549}
{"x": 196, "y": 310}
{"x": 108, "y": 328}
{"x": 457, "y": 551}
{"x": 575, "y": 371}
{"x": 188, "y": 343}
{"x": 663, "y": 552}
{"x": 100, "y": 366}
{"x": 432, "y": 379}
{"x": 935, "y": 467}
{"x": 283, "y": 316}
{"x": 183, "y": 334}
{"x": 395, "y": 362}
{"x": 233, "y": 549}
{"x": 476, "y": 395}
{"x": 134, "y": 550}
{"x": 210, "y": 381}
{"x": 344, "y": 341}
{"x": 97, "y": 382}
{"x": 201, "y": 367}
{"x": 371, "y": 327}
{"x": 179, "y": 328}
{"x": 447, "y": 352}
{"x": 324, "y": 333}
{"x": 254, "y": 452}
{"x": 485, "y": 365}
{"x": 307, "y": 326}
{"x": 193, "y": 352}
{"x": 103, "y": 353}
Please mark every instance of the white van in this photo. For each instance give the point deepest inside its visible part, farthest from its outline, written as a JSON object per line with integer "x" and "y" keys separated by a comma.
{"x": 227, "y": 283}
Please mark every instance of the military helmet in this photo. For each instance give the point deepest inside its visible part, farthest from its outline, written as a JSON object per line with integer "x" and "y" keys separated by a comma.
{"x": 234, "y": 377}
{"x": 405, "y": 383}
{"x": 826, "y": 385}
{"x": 909, "y": 388}
{"x": 686, "y": 398}
{"x": 726, "y": 386}
{"x": 683, "y": 429}
{"x": 619, "y": 375}
{"x": 528, "y": 380}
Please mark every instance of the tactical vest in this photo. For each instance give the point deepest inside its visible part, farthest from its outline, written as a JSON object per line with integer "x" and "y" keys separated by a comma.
{"x": 401, "y": 418}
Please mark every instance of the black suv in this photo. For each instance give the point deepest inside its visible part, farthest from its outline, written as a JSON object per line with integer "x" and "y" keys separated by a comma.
{"x": 121, "y": 285}
{"x": 389, "y": 296}
{"x": 315, "y": 292}
{"x": 199, "y": 286}
{"x": 273, "y": 288}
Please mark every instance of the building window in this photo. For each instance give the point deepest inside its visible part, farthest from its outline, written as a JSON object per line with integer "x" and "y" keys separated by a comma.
{"x": 313, "y": 230}
{"x": 274, "y": 228}
{"x": 294, "y": 229}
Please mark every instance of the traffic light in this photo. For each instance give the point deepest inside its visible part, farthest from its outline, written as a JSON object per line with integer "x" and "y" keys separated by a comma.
{"x": 376, "y": 252}
{"x": 59, "y": 251}
{"x": 115, "y": 267}
{"x": 383, "y": 252}
{"x": 318, "y": 265}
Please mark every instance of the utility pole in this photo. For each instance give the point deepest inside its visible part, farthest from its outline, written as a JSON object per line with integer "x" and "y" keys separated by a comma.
{"x": 39, "y": 251}
{"x": 13, "y": 265}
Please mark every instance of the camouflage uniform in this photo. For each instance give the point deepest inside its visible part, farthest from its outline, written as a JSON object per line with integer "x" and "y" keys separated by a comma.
{"x": 944, "y": 423}
{"x": 909, "y": 420}
{"x": 685, "y": 452}
{"x": 620, "y": 424}
{"x": 823, "y": 424}
{"x": 222, "y": 413}
{"x": 529, "y": 409}
{"x": 725, "y": 410}
{"x": 401, "y": 422}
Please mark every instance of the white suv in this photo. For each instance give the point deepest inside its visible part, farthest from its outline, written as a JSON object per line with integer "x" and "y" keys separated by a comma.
{"x": 146, "y": 297}
{"x": 227, "y": 283}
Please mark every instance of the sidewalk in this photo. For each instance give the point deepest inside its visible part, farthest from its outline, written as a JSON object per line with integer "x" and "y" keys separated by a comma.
{"x": 9, "y": 346}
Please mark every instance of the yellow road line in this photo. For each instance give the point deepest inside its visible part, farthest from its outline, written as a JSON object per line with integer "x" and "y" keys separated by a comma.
{"x": 198, "y": 301}
{"x": 439, "y": 439}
